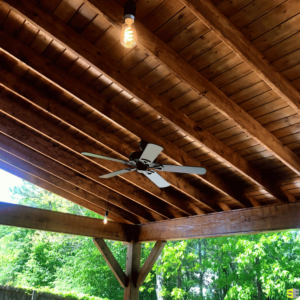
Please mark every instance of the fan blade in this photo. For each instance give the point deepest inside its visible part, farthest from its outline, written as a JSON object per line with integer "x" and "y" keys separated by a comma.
{"x": 150, "y": 153}
{"x": 182, "y": 169}
{"x": 157, "y": 179}
{"x": 116, "y": 173}
{"x": 106, "y": 157}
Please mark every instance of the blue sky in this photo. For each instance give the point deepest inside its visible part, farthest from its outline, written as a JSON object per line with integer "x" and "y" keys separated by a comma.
{"x": 7, "y": 181}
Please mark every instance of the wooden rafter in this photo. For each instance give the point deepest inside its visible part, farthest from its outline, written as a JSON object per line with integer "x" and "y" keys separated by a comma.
{"x": 43, "y": 179}
{"x": 95, "y": 207}
{"x": 188, "y": 74}
{"x": 41, "y": 219}
{"x": 210, "y": 141}
{"x": 56, "y": 163}
{"x": 65, "y": 114}
{"x": 211, "y": 16}
{"x": 100, "y": 134}
{"x": 243, "y": 221}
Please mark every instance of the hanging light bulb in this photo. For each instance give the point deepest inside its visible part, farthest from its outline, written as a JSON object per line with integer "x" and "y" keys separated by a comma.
{"x": 106, "y": 212}
{"x": 105, "y": 217}
{"x": 128, "y": 33}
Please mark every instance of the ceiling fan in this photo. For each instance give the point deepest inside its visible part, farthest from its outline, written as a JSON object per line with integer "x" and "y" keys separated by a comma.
{"x": 144, "y": 162}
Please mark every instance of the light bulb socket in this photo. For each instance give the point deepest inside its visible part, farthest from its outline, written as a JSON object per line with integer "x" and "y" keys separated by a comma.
{"x": 106, "y": 214}
{"x": 129, "y": 10}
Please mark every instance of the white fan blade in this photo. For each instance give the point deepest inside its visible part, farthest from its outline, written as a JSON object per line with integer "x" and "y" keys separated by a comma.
{"x": 182, "y": 169}
{"x": 116, "y": 173}
{"x": 106, "y": 157}
{"x": 157, "y": 179}
{"x": 150, "y": 153}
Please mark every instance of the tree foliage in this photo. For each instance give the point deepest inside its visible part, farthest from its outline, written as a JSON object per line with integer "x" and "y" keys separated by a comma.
{"x": 248, "y": 267}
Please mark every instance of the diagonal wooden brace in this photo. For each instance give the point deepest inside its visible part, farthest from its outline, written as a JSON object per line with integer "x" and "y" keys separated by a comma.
{"x": 111, "y": 261}
{"x": 134, "y": 276}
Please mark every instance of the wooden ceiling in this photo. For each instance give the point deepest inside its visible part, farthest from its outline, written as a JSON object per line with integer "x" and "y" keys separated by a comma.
{"x": 213, "y": 82}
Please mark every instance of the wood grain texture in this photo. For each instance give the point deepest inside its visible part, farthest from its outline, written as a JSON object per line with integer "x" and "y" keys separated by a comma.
{"x": 111, "y": 261}
{"x": 117, "y": 114}
{"x": 145, "y": 94}
{"x": 212, "y": 17}
{"x": 150, "y": 261}
{"x": 153, "y": 45}
{"x": 133, "y": 261}
{"x": 56, "y": 185}
{"x": 78, "y": 163}
{"x": 244, "y": 221}
{"x": 46, "y": 220}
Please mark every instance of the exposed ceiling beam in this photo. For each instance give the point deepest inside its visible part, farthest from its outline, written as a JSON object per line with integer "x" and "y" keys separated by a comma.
{"x": 84, "y": 166}
{"x": 98, "y": 133}
{"x": 214, "y": 19}
{"x": 195, "y": 80}
{"x": 68, "y": 175}
{"x": 243, "y": 221}
{"x": 89, "y": 52}
{"x": 47, "y": 220}
{"x": 53, "y": 184}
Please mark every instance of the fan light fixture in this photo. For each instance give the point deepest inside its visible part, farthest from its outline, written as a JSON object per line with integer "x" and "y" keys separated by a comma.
{"x": 128, "y": 33}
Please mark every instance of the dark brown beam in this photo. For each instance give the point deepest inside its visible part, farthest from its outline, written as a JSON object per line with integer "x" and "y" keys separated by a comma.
{"x": 74, "y": 180}
{"x": 89, "y": 52}
{"x": 78, "y": 163}
{"x": 98, "y": 133}
{"x": 74, "y": 119}
{"x": 214, "y": 19}
{"x": 150, "y": 261}
{"x": 195, "y": 80}
{"x": 243, "y": 221}
{"x": 46, "y": 220}
{"x": 111, "y": 261}
{"x": 45, "y": 180}
{"x": 85, "y": 165}
{"x": 66, "y": 114}
{"x": 91, "y": 97}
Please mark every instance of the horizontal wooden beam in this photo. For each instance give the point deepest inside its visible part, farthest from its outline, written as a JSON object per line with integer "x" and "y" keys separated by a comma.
{"x": 46, "y": 220}
{"x": 243, "y": 221}
{"x": 101, "y": 61}
{"x": 214, "y": 19}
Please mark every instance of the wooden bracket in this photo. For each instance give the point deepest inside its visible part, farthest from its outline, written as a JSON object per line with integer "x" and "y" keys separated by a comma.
{"x": 288, "y": 194}
{"x": 111, "y": 261}
{"x": 134, "y": 276}
{"x": 150, "y": 261}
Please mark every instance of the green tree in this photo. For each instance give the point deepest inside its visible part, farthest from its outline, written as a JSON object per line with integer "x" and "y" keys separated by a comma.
{"x": 256, "y": 267}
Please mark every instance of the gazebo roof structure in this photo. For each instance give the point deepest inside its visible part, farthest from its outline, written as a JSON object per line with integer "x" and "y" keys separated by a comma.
{"x": 214, "y": 82}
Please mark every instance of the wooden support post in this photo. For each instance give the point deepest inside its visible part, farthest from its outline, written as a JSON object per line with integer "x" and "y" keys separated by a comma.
{"x": 133, "y": 261}
{"x": 111, "y": 261}
{"x": 150, "y": 261}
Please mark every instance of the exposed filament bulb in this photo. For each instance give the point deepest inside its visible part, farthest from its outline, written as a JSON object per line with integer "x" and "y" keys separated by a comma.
{"x": 128, "y": 34}
{"x": 105, "y": 217}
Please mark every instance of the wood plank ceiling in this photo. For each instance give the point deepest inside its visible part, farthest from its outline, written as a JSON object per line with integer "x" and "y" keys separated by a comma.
{"x": 217, "y": 85}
